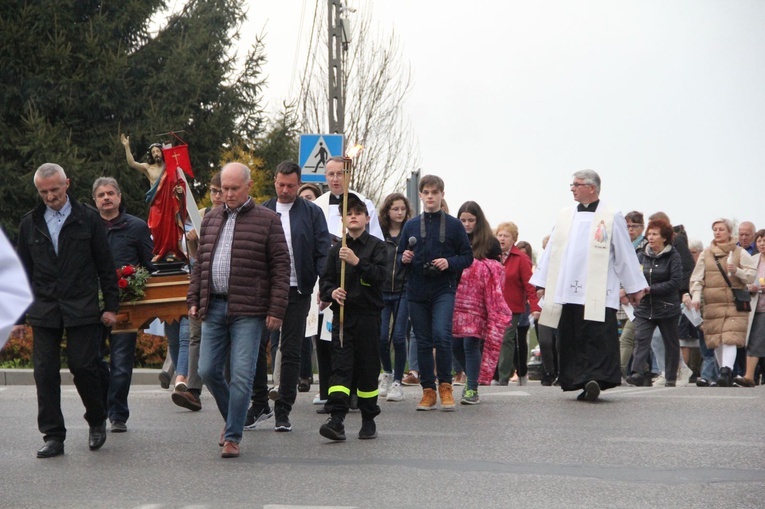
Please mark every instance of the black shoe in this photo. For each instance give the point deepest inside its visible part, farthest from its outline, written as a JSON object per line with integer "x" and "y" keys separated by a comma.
{"x": 164, "y": 379}
{"x": 282, "y": 424}
{"x": 670, "y": 383}
{"x": 257, "y": 415}
{"x": 304, "y": 385}
{"x": 702, "y": 382}
{"x": 547, "y": 380}
{"x": 635, "y": 379}
{"x": 333, "y": 429}
{"x": 368, "y": 429}
{"x": 119, "y": 427}
{"x": 726, "y": 378}
{"x": 321, "y": 410}
{"x": 97, "y": 436}
{"x": 50, "y": 449}
{"x": 591, "y": 390}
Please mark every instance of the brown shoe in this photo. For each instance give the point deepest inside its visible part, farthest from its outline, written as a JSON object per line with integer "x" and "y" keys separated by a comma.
{"x": 411, "y": 378}
{"x": 460, "y": 378}
{"x": 447, "y": 399}
{"x": 186, "y": 400}
{"x": 740, "y": 381}
{"x": 428, "y": 401}
{"x": 230, "y": 450}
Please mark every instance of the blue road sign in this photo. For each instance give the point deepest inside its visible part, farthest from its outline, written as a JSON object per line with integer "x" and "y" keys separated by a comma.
{"x": 315, "y": 151}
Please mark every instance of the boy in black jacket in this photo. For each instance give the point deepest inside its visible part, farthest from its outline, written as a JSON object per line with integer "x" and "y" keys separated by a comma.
{"x": 358, "y": 357}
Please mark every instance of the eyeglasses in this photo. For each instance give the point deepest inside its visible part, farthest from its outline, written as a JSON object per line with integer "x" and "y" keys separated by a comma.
{"x": 578, "y": 184}
{"x": 337, "y": 175}
{"x": 634, "y": 226}
{"x": 215, "y": 191}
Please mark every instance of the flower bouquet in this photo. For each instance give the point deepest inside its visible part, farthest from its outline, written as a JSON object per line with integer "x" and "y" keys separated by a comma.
{"x": 132, "y": 282}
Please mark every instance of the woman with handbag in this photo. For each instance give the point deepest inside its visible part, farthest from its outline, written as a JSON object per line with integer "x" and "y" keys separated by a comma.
{"x": 721, "y": 273}
{"x": 755, "y": 346}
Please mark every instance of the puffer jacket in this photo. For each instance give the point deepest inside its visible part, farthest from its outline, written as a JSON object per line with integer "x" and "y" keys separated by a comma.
{"x": 723, "y": 324}
{"x": 259, "y": 281}
{"x": 664, "y": 273}
{"x": 480, "y": 311}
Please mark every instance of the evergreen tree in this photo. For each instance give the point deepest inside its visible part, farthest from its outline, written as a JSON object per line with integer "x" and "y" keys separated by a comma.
{"x": 77, "y": 73}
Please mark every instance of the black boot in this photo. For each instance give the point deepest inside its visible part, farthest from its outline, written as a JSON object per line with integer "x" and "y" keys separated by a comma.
{"x": 726, "y": 378}
{"x": 368, "y": 429}
{"x": 333, "y": 428}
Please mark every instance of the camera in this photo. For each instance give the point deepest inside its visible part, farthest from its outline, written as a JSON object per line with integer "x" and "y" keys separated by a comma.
{"x": 430, "y": 270}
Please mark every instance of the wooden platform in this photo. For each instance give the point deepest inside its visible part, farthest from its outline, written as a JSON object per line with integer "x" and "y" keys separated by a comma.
{"x": 165, "y": 299}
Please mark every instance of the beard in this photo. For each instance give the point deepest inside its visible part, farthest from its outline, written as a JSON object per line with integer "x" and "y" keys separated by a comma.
{"x": 158, "y": 160}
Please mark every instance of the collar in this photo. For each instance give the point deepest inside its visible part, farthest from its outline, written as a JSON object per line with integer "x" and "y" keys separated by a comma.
{"x": 590, "y": 207}
{"x": 230, "y": 211}
{"x": 363, "y": 238}
{"x": 65, "y": 210}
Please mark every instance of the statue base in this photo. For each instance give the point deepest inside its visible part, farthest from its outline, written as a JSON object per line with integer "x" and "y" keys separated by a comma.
{"x": 165, "y": 268}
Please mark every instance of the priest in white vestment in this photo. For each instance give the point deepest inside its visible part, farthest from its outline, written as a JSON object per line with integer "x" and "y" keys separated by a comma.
{"x": 588, "y": 258}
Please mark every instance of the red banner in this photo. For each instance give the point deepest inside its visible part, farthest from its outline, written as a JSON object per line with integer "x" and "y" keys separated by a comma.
{"x": 178, "y": 156}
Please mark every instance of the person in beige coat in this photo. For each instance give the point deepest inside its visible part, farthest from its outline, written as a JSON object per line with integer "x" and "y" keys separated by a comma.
{"x": 724, "y": 326}
{"x": 755, "y": 346}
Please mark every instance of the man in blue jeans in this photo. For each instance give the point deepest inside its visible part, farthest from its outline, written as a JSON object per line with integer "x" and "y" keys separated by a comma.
{"x": 235, "y": 305}
{"x": 130, "y": 244}
{"x": 436, "y": 261}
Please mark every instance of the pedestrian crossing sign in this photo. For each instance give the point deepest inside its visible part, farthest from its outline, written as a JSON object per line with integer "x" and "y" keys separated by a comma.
{"x": 315, "y": 150}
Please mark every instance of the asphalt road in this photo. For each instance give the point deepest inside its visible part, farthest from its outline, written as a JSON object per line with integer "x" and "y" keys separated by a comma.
{"x": 530, "y": 447}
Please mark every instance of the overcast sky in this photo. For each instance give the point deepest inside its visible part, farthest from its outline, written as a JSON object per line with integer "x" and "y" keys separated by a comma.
{"x": 664, "y": 99}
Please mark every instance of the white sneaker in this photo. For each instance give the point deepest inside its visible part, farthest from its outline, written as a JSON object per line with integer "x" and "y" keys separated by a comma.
{"x": 659, "y": 381}
{"x": 395, "y": 393}
{"x": 385, "y": 382}
{"x": 683, "y": 375}
{"x": 318, "y": 401}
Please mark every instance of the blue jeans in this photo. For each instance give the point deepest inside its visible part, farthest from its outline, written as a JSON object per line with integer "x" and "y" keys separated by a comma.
{"x": 398, "y": 336}
{"x": 178, "y": 335}
{"x": 242, "y": 335}
{"x": 413, "y": 364}
{"x": 432, "y": 321}
{"x": 709, "y": 369}
{"x": 657, "y": 347}
{"x": 121, "y": 359}
{"x": 467, "y": 351}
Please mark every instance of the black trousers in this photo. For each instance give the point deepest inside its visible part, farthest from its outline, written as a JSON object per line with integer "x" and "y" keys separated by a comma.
{"x": 83, "y": 354}
{"x": 356, "y": 362}
{"x": 323, "y": 361}
{"x": 291, "y": 345}
{"x": 588, "y": 350}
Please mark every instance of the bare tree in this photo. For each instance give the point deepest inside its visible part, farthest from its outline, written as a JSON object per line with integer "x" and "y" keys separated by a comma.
{"x": 376, "y": 84}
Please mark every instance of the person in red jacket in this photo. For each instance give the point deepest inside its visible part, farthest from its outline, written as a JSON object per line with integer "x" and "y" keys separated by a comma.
{"x": 517, "y": 291}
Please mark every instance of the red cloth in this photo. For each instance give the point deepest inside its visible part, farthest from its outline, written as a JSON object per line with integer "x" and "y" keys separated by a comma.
{"x": 167, "y": 215}
{"x": 517, "y": 288}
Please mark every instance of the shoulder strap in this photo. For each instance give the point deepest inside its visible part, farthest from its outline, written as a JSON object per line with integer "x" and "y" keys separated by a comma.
{"x": 724, "y": 275}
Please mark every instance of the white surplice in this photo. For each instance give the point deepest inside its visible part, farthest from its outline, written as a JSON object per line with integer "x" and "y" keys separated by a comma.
{"x": 572, "y": 268}
{"x": 15, "y": 293}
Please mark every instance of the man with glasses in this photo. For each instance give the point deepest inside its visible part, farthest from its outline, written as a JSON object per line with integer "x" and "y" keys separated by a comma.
{"x": 635, "y": 227}
{"x": 588, "y": 255}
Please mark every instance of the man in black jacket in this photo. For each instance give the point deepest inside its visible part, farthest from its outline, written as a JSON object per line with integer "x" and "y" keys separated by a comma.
{"x": 308, "y": 241}
{"x": 130, "y": 244}
{"x": 63, "y": 247}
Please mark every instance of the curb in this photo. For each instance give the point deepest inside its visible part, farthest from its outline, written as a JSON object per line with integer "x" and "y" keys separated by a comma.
{"x": 141, "y": 376}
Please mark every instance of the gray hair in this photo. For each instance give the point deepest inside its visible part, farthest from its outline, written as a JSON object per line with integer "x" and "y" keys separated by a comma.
{"x": 245, "y": 171}
{"x": 727, "y": 222}
{"x": 696, "y": 244}
{"x": 106, "y": 181}
{"x": 48, "y": 170}
{"x": 590, "y": 177}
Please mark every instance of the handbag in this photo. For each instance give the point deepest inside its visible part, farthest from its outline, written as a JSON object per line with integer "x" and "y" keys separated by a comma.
{"x": 741, "y": 297}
